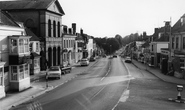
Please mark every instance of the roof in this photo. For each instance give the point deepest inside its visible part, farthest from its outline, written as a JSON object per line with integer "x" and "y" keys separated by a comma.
{"x": 5, "y": 19}
{"x": 34, "y": 55}
{"x": 178, "y": 27}
{"x": 29, "y": 4}
{"x": 30, "y": 33}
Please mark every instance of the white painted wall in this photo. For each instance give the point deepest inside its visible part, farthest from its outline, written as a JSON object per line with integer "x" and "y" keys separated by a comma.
{"x": 90, "y": 47}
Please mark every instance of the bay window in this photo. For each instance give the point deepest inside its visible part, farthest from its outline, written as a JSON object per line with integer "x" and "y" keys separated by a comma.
{"x": 14, "y": 46}
{"x": 21, "y": 46}
{"x": 14, "y": 73}
{"x": 19, "y": 72}
{"x": 1, "y": 76}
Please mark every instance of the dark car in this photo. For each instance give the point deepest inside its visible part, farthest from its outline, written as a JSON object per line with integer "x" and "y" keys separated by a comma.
{"x": 114, "y": 56}
{"x": 92, "y": 59}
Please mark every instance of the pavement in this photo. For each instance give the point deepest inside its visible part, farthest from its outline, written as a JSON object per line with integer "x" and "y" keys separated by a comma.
{"x": 157, "y": 72}
{"x": 37, "y": 88}
{"x": 15, "y": 98}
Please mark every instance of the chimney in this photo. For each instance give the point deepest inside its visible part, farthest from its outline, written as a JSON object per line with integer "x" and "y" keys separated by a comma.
{"x": 70, "y": 31}
{"x": 65, "y": 29}
{"x": 81, "y": 31}
{"x": 156, "y": 30}
{"x": 74, "y": 28}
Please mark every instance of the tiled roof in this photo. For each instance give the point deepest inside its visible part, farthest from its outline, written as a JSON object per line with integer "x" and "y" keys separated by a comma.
{"x": 28, "y": 4}
{"x": 178, "y": 27}
{"x": 5, "y": 19}
{"x": 30, "y": 33}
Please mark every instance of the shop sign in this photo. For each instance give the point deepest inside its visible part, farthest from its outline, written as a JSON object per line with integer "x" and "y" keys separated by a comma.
{"x": 164, "y": 52}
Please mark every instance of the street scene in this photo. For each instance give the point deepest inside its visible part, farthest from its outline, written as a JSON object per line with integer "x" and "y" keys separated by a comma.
{"x": 95, "y": 55}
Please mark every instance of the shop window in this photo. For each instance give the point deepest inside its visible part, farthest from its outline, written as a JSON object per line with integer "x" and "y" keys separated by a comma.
{"x": 1, "y": 76}
{"x": 21, "y": 72}
{"x": 14, "y": 73}
{"x": 36, "y": 63}
{"x": 181, "y": 62}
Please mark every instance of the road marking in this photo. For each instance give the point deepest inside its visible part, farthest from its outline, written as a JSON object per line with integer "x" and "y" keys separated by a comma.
{"x": 125, "y": 96}
{"x": 122, "y": 99}
{"x": 97, "y": 93}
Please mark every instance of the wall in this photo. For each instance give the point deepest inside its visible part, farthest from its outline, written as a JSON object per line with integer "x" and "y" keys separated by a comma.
{"x": 6, "y": 31}
{"x": 90, "y": 47}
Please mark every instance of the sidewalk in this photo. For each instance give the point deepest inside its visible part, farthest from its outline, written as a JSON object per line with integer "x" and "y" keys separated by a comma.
{"x": 37, "y": 88}
{"x": 157, "y": 72}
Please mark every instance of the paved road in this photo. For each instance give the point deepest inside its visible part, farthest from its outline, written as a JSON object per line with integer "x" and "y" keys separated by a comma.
{"x": 147, "y": 92}
{"x": 110, "y": 84}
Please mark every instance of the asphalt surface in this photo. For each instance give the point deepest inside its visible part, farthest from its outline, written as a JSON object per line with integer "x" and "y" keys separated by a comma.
{"x": 110, "y": 84}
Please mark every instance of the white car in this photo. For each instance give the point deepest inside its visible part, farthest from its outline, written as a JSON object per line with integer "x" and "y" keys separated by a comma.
{"x": 54, "y": 72}
{"x": 84, "y": 62}
{"x": 128, "y": 60}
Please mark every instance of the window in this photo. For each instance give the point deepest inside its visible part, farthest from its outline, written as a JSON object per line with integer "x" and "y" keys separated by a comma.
{"x": 21, "y": 46}
{"x": 36, "y": 63}
{"x": 13, "y": 46}
{"x": 54, "y": 29}
{"x": 152, "y": 47}
{"x": 26, "y": 46}
{"x": 31, "y": 47}
{"x": 173, "y": 42}
{"x": 58, "y": 29}
{"x": 49, "y": 28}
{"x": 1, "y": 76}
{"x": 183, "y": 43}
{"x": 177, "y": 43}
{"x": 21, "y": 72}
{"x": 14, "y": 73}
{"x": 26, "y": 71}
{"x": 66, "y": 43}
{"x": 37, "y": 47}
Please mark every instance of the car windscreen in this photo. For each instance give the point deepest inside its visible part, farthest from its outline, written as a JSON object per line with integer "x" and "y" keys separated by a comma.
{"x": 54, "y": 69}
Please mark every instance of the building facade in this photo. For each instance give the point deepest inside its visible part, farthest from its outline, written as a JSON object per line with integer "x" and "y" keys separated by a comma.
{"x": 45, "y": 22}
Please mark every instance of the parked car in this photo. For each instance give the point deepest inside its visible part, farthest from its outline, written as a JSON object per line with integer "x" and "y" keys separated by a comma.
{"x": 104, "y": 56}
{"x": 84, "y": 62}
{"x": 128, "y": 60}
{"x": 92, "y": 59}
{"x": 114, "y": 56}
{"x": 53, "y": 72}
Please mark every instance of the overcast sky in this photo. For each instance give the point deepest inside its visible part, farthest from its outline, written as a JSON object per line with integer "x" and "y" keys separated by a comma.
{"x": 100, "y": 18}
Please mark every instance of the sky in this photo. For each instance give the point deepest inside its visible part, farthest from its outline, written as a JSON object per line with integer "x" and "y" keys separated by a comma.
{"x": 106, "y": 18}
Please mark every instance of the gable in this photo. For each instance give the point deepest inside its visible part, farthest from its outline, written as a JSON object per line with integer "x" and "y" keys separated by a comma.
{"x": 55, "y": 7}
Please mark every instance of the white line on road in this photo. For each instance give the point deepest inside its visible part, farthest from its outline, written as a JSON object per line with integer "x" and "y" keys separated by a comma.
{"x": 123, "y": 92}
{"x": 97, "y": 93}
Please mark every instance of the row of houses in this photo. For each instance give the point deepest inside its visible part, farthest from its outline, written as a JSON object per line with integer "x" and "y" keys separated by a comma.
{"x": 33, "y": 38}
{"x": 165, "y": 49}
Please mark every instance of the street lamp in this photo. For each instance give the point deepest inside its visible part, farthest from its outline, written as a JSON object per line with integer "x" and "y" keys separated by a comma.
{"x": 110, "y": 49}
